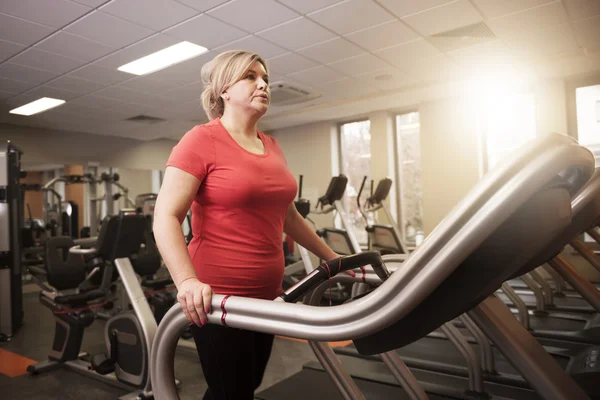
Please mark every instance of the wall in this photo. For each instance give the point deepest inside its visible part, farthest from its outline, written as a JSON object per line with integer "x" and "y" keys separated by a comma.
{"x": 550, "y": 107}
{"x": 449, "y": 148}
{"x": 137, "y": 181}
{"x": 56, "y": 147}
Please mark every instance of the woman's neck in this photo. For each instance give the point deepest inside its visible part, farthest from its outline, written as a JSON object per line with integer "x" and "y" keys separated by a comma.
{"x": 239, "y": 124}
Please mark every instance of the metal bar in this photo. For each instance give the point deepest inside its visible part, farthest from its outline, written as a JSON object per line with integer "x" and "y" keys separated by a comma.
{"x": 347, "y": 226}
{"x": 403, "y": 375}
{"x": 487, "y": 354}
{"x": 140, "y": 305}
{"x": 534, "y": 363}
{"x": 583, "y": 286}
{"x": 518, "y": 303}
{"x": 545, "y": 286}
{"x": 586, "y": 253}
{"x": 594, "y": 234}
{"x": 344, "y": 383}
{"x": 470, "y": 356}
{"x": 537, "y": 291}
{"x": 559, "y": 282}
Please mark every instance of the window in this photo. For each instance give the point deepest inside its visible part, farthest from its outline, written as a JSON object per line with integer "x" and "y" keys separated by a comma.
{"x": 356, "y": 163}
{"x": 508, "y": 123}
{"x": 409, "y": 182}
{"x": 588, "y": 116}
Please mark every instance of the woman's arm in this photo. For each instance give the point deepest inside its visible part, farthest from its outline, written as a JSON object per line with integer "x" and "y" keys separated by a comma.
{"x": 305, "y": 236}
{"x": 174, "y": 199}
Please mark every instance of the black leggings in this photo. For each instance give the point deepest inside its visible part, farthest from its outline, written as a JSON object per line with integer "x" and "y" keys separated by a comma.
{"x": 233, "y": 360}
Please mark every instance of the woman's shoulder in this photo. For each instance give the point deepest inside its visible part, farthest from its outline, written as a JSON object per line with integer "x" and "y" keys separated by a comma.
{"x": 202, "y": 131}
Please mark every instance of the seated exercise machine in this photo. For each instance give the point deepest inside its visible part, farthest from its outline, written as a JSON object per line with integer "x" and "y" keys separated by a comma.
{"x": 500, "y": 230}
{"x": 128, "y": 335}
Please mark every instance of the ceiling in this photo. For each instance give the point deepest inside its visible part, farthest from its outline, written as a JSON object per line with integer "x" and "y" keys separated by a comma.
{"x": 347, "y": 52}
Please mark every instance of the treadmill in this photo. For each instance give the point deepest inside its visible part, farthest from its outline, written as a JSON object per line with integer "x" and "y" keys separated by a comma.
{"x": 479, "y": 245}
{"x": 439, "y": 355}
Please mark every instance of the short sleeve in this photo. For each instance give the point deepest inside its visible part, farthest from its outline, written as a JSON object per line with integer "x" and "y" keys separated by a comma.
{"x": 195, "y": 153}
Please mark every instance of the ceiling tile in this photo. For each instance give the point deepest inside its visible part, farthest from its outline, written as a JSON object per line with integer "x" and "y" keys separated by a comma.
{"x": 77, "y": 85}
{"x": 498, "y": 8}
{"x": 121, "y": 33}
{"x": 317, "y": 76}
{"x": 193, "y": 107}
{"x": 387, "y": 79}
{"x": 286, "y": 34}
{"x": 36, "y": 58}
{"x": 384, "y": 35}
{"x": 253, "y": 15}
{"x": 351, "y": 16}
{"x": 397, "y": 55}
{"x": 137, "y": 50}
{"x": 184, "y": 94}
{"x": 56, "y": 13}
{"x": 120, "y": 93}
{"x": 153, "y": 14}
{"x": 347, "y": 88}
{"x": 91, "y": 3}
{"x": 43, "y": 91}
{"x": 307, "y": 6}
{"x": 14, "y": 86}
{"x": 19, "y": 31}
{"x": 434, "y": 69}
{"x": 289, "y": 63}
{"x": 494, "y": 52}
{"x": 444, "y": 18}
{"x": 202, "y": 5}
{"x": 205, "y": 31}
{"x": 587, "y": 32}
{"x": 403, "y": 8}
{"x": 579, "y": 9}
{"x": 531, "y": 20}
{"x": 332, "y": 50}
{"x": 543, "y": 43}
{"x": 5, "y": 95}
{"x": 143, "y": 84}
{"x": 74, "y": 47}
{"x": 9, "y": 49}
{"x": 103, "y": 75}
{"x": 25, "y": 74}
{"x": 254, "y": 44}
{"x": 359, "y": 65}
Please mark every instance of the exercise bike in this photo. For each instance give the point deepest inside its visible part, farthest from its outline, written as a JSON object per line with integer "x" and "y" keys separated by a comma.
{"x": 129, "y": 334}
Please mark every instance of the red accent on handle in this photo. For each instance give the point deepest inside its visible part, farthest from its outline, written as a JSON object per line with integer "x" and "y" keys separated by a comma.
{"x": 223, "y": 309}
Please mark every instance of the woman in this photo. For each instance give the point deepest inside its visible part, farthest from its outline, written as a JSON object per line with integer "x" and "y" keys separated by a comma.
{"x": 241, "y": 194}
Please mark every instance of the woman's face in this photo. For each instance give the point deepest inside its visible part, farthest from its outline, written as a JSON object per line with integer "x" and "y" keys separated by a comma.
{"x": 251, "y": 93}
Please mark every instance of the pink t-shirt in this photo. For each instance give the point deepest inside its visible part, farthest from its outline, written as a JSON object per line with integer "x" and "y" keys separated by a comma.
{"x": 238, "y": 212}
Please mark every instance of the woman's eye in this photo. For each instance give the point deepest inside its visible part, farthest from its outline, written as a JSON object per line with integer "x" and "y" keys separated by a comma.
{"x": 250, "y": 76}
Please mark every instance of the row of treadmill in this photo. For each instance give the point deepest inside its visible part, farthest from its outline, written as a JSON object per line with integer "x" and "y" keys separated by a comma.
{"x": 486, "y": 307}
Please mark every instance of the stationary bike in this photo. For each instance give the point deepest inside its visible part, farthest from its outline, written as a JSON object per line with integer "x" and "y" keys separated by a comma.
{"x": 128, "y": 335}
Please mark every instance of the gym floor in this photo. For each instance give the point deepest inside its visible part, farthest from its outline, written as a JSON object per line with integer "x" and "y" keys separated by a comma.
{"x": 33, "y": 341}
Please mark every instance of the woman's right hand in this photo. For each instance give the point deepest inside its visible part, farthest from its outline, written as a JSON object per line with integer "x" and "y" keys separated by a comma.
{"x": 194, "y": 298}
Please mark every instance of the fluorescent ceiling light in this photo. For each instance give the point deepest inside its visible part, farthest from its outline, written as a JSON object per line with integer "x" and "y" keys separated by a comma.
{"x": 161, "y": 59}
{"x": 43, "y": 104}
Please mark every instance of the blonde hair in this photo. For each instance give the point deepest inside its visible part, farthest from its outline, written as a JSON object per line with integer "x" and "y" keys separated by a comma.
{"x": 219, "y": 74}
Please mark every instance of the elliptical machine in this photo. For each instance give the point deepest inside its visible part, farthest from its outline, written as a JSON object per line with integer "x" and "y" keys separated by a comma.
{"x": 383, "y": 238}
{"x": 128, "y": 335}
